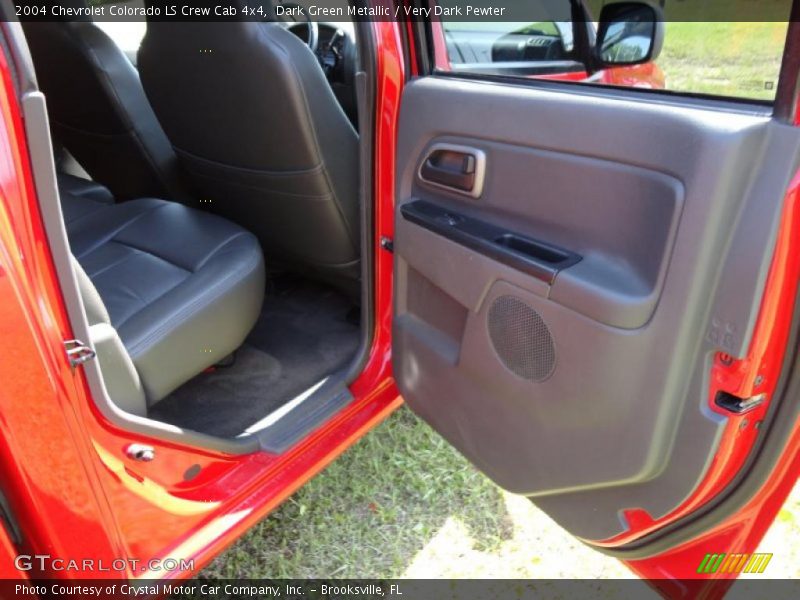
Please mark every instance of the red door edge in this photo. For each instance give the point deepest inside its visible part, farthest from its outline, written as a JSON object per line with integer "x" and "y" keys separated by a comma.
{"x": 755, "y": 374}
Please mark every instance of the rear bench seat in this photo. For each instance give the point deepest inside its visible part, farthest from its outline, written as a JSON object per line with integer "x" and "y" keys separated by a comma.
{"x": 181, "y": 287}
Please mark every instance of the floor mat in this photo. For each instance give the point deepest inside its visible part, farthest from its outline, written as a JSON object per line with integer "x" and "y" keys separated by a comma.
{"x": 306, "y": 331}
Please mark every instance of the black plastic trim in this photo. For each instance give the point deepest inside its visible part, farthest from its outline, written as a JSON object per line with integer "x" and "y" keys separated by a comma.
{"x": 788, "y": 81}
{"x": 416, "y": 37}
{"x": 519, "y": 68}
{"x": 534, "y": 257}
{"x": 306, "y": 417}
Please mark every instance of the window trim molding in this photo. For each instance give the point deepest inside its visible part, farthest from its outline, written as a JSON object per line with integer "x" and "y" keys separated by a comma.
{"x": 786, "y": 95}
{"x": 785, "y": 107}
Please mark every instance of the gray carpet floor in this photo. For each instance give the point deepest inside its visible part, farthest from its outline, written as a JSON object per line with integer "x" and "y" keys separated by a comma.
{"x": 306, "y": 331}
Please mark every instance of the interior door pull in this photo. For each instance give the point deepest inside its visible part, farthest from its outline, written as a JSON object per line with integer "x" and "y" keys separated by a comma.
{"x": 457, "y": 168}
{"x": 531, "y": 256}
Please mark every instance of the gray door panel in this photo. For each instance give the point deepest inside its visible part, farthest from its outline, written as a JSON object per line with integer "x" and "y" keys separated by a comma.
{"x": 586, "y": 388}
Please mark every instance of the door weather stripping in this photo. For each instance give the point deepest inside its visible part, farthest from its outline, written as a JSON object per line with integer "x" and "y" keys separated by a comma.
{"x": 78, "y": 353}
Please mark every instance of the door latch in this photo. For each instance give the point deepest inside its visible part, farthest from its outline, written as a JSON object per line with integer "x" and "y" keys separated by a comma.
{"x": 738, "y": 405}
{"x": 78, "y": 353}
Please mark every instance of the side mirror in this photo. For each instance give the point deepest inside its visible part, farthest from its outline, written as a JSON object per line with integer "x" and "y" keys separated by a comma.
{"x": 630, "y": 33}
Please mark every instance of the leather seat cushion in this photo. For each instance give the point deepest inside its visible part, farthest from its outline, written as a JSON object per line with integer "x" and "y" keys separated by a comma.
{"x": 182, "y": 287}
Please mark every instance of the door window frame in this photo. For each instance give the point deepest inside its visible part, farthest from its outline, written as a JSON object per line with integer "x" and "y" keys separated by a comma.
{"x": 784, "y": 108}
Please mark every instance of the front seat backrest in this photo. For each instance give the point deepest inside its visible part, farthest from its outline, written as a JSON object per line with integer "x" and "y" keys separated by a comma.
{"x": 261, "y": 136}
{"x": 99, "y": 112}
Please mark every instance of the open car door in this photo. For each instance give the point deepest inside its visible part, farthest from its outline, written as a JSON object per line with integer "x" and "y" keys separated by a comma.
{"x": 595, "y": 303}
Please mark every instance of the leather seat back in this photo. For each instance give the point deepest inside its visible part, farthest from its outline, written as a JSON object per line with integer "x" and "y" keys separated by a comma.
{"x": 99, "y": 112}
{"x": 261, "y": 135}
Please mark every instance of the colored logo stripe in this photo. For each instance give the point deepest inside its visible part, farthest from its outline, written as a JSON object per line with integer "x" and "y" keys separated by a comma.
{"x": 734, "y": 563}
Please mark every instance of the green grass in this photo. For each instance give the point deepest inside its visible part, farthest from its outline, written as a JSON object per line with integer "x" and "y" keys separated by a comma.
{"x": 372, "y": 510}
{"x": 728, "y": 59}
{"x": 402, "y": 503}
{"x": 722, "y": 47}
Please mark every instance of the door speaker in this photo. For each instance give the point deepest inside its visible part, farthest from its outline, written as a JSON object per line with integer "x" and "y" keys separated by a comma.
{"x": 521, "y": 338}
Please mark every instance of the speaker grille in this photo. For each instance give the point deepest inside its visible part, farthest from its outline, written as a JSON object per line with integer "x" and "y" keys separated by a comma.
{"x": 521, "y": 338}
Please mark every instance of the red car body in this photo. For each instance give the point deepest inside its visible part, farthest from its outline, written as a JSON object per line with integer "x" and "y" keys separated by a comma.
{"x": 75, "y": 493}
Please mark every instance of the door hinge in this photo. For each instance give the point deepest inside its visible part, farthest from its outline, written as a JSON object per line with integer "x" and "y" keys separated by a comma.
{"x": 78, "y": 353}
{"x": 387, "y": 244}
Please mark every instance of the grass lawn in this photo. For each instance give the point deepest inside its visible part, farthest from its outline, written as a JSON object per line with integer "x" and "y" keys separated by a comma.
{"x": 403, "y": 503}
{"x": 725, "y": 47}
{"x": 729, "y": 59}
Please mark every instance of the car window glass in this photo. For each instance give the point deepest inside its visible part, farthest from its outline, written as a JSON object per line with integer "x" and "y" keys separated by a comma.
{"x": 730, "y": 48}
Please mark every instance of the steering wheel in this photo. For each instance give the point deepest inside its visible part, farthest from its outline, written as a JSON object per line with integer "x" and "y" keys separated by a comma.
{"x": 313, "y": 30}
